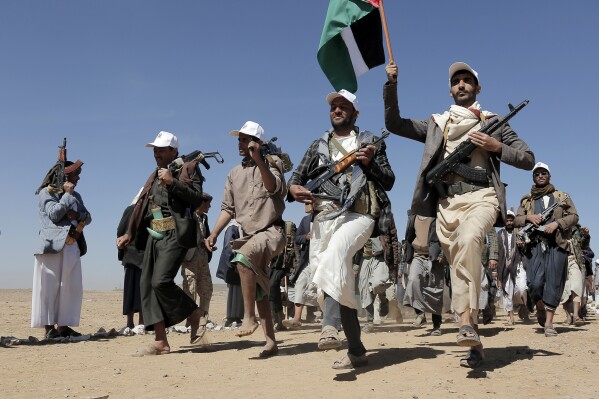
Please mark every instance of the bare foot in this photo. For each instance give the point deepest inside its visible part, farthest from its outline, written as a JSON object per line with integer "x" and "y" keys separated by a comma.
{"x": 153, "y": 349}
{"x": 268, "y": 350}
{"x": 247, "y": 328}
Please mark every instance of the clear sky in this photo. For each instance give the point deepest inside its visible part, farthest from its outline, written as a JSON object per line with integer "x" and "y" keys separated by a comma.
{"x": 109, "y": 75}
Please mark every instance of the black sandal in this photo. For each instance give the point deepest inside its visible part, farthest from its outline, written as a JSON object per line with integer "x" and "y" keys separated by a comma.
{"x": 69, "y": 332}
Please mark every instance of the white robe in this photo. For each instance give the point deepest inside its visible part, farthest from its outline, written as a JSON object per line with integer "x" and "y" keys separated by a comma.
{"x": 57, "y": 290}
{"x": 332, "y": 248}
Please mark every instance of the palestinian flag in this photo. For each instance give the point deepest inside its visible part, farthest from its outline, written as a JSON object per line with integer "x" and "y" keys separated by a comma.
{"x": 351, "y": 42}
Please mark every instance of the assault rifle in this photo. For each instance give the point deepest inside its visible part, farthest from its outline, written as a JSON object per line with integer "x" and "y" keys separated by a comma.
{"x": 463, "y": 151}
{"x": 339, "y": 166}
{"x": 62, "y": 157}
{"x": 269, "y": 148}
{"x": 529, "y": 228}
{"x": 196, "y": 155}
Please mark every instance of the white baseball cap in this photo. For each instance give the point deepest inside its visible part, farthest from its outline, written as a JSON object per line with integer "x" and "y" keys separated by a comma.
{"x": 351, "y": 97}
{"x": 461, "y": 66}
{"x": 251, "y": 129}
{"x": 164, "y": 139}
{"x": 510, "y": 213}
{"x": 540, "y": 165}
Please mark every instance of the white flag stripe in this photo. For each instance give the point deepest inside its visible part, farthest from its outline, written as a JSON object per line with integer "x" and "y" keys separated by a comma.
{"x": 357, "y": 60}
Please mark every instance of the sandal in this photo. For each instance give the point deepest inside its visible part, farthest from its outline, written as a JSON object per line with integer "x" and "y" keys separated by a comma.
{"x": 473, "y": 359}
{"x": 197, "y": 332}
{"x": 579, "y": 322}
{"x": 52, "y": 333}
{"x": 292, "y": 324}
{"x": 329, "y": 338}
{"x": 467, "y": 336}
{"x": 350, "y": 361}
{"x": 436, "y": 332}
{"x": 550, "y": 332}
{"x": 69, "y": 332}
{"x": 420, "y": 320}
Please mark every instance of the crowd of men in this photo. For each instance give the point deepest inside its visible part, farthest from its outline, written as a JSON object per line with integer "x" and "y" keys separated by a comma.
{"x": 346, "y": 254}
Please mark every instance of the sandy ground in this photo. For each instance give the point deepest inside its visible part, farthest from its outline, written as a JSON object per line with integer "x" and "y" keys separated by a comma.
{"x": 404, "y": 362}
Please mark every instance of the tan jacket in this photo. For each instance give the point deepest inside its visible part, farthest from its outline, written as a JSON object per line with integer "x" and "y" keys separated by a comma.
{"x": 565, "y": 215}
{"x": 514, "y": 152}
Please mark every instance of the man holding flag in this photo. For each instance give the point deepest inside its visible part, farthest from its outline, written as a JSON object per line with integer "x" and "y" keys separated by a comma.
{"x": 467, "y": 208}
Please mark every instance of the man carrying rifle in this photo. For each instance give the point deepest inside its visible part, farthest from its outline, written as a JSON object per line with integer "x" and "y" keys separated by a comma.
{"x": 467, "y": 206}
{"x": 57, "y": 290}
{"x": 162, "y": 219}
{"x": 347, "y": 208}
{"x": 546, "y": 255}
{"x": 254, "y": 196}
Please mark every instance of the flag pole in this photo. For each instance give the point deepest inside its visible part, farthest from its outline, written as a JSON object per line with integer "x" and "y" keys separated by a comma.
{"x": 384, "y": 22}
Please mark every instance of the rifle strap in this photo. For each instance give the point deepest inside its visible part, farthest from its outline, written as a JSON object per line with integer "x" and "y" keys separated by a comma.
{"x": 338, "y": 145}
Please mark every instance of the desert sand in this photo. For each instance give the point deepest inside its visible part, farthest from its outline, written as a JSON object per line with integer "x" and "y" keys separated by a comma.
{"x": 404, "y": 362}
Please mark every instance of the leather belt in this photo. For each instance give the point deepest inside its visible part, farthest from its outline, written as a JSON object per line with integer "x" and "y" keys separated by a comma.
{"x": 463, "y": 187}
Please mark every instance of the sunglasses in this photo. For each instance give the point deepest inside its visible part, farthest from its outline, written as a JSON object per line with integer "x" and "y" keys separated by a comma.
{"x": 536, "y": 174}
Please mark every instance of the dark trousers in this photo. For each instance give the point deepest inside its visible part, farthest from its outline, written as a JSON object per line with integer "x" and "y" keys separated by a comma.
{"x": 161, "y": 298}
{"x": 276, "y": 276}
{"x": 546, "y": 272}
{"x": 350, "y": 323}
{"x": 234, "y": 302}
{"x": 132, "y": 290}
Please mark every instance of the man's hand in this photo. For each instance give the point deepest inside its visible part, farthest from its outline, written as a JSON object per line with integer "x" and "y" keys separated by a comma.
{"x": 309, "y": 236}
{"x": 365, "y": 154}
{"x": 300, "y": 194}
{"x": 210, "y": 243}
{"x": 485, "y": 141}
{"x": 122, "y": 241}
{"x": 551, "y": 227}
{"x": 254, "y": 151}
{"x": 166, "y": 176}
{"x": 534, "y": 219}
{"x": 72, "y": 215}
{"x": 68, "y": 187}
{"x": 391, "y": 70}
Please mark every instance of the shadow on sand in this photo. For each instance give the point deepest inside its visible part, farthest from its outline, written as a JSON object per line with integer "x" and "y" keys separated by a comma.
{"x": 381, "y": 358}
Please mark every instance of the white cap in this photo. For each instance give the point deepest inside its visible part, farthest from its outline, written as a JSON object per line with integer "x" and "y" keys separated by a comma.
{"x": 540, "y": 165}
{"x": 510, "y": 213}
{"x": 164, "y": 139}
{"x": 597, "y": 261}
{"x": 351, "y": 97}
{"x": 461, "y": 66}
{"x": 251, "y": 129}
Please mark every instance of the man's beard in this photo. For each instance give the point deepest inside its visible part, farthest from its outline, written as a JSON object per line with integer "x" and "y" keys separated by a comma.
{"x": 347, "y": 122}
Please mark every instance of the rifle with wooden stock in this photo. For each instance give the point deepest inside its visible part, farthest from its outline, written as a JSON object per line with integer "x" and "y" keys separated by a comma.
{"x": 62, "y": 157}
{"x": 341, "y": 165}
